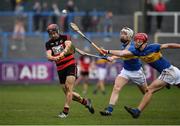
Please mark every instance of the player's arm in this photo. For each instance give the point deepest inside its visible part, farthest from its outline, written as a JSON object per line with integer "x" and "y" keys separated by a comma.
{"x": 49, "y": 56}
{"x": 170, "y": 46}
{"x": 119, "y": 53}
{"x": 69, "y": 49}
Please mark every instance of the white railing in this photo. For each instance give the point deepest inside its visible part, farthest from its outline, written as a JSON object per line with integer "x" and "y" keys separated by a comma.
{"x": 139, "y": 13}
{"x": 157, "y": 35}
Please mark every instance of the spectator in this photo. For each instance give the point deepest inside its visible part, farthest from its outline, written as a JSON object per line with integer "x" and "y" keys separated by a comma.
{"x": 160, "y": 6}
{"x": 108, "y": 25}
{"x": 85, "y": 63}
{"x": 101, "y": 74}
{"x": 86, "y": 21}
{"x": 44, "y": 17}
{"x": 19, "y": 27}
{"x": 37, "y": 15}
{"x": 13, "y": 4}
{"x": 70, "y": 7}
{"x": 95, "y": 21}
{"x": 149, "y": 6}
{"x": 56, "y": 12}
{"x": 66, "y": 22}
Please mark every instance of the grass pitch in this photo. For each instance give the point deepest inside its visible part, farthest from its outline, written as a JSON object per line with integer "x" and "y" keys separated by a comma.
{"x": 40, "y": 104}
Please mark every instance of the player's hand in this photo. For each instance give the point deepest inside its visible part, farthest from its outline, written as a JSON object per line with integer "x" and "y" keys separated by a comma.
{"x": 61, "y": 56}
{"x": 110, "y": 58}
{"x": 103, "y": 51}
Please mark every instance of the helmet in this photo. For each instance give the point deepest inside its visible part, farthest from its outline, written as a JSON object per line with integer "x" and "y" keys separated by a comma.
{"x": 141, "y": 36}
{"x": 128, "y": 31}
{"x": 53, "y": 27}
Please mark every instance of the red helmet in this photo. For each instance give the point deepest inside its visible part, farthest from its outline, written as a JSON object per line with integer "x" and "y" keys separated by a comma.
{"x": 141, "y": 36}
{"x": 53, "y": 27}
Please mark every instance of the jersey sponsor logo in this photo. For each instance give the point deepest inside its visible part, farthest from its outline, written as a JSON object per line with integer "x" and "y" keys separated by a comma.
{"x": 57, "y": 49}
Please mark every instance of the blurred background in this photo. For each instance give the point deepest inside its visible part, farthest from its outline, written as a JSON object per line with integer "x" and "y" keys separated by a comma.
{"x": 23, "y": 32}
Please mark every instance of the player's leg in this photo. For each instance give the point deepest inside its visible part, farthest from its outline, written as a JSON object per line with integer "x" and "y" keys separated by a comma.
{"x": 85, "y": 84}
{"x": 170, "y": 75}
{"x": 119, "y": 83}
{"x": 102, "y": 72}
{"x": 68, "y": 90}
{"x": 139, "y": 78}
{"x": 86, "y": 102}
{"x": 153, "y": 87}
{"x": 143, "y": 88}
{"x": 78, "y": 80}
{"x": 97, "y": 87}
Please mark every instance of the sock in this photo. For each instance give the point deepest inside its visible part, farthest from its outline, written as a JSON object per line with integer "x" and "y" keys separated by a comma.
{"x": 84, "y": 101}
{"x": 110, "y": 108}
{"x": 66, "y": 110}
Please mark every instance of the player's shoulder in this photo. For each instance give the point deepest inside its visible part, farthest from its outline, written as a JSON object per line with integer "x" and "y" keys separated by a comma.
{"x": 65, "y": 36}
{"x": 132, "y": 46}
{"x": 48, "y": 41}
{"x": 154, "y": 46}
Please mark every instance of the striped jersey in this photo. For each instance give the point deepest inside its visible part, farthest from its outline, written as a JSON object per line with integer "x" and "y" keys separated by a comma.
{"x": 153, "y": 56}
{"x": 131, "y": 63}
{"x": 57, "y": 46}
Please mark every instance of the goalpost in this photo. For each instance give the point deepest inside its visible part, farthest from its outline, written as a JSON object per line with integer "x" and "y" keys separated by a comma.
{"x": 158, "y": 35}
{"x": 137, "y": 14}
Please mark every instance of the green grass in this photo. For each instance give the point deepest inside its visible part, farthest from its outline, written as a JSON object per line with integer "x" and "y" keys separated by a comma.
{"x": 40, "y": 104}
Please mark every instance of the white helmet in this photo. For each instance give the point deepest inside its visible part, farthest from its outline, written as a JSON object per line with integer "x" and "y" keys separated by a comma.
{"x": 128, "y": 31}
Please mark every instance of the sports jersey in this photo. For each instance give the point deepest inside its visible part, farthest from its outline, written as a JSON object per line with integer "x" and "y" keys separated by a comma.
{"x": 85, "y": 62}
{"x": 57, "y": 46}
{"x": 131, "y": 63}
{"x": 152, "y": 55}
{"x": 101, "y": 63}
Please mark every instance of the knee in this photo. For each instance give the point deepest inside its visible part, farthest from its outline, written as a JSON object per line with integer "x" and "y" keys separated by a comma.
{"x": 149, "y": 91}
{"x": 117, "y": 88}
{"x": 67, "y": 89}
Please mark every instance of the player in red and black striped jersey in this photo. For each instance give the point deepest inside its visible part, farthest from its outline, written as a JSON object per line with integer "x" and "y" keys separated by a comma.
{"x": 85, "y": 63}
{"x": 59, "y": 49}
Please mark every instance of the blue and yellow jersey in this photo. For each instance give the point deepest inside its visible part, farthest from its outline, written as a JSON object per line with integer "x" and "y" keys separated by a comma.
{"x": 152, "y": 55}
{"x": 101, "y": 63}
{"x": 131, "y": 63}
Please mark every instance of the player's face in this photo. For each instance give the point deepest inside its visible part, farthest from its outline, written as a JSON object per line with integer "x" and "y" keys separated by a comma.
{"x": 53, "y": 35}
{"x": 138, "y": 43}
{"x": 124, "y": 37}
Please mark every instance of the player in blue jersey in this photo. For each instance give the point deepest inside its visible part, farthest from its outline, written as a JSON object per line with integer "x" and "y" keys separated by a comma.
{"x": 151, "y": 54}
{"x": 132, "y": 70}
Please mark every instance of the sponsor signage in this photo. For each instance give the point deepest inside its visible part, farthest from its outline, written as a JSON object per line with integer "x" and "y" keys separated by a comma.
{"x": 22, "y": 71}
{"x": 44, "y": 72}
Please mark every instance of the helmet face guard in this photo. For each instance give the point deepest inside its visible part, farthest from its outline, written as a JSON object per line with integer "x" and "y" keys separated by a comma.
{"x": 53, "y": 28}
{"x": 140, "y": 39}
{"x": 129, "y": 33}
{"x": 141, "y": 36}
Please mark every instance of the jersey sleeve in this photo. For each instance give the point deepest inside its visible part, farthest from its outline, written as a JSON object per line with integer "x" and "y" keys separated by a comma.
{"x": 68, "y": 37}
{"x": 133, "y": 51}
{"x": 157, "y": 47}
{"x": 47, "y": 46}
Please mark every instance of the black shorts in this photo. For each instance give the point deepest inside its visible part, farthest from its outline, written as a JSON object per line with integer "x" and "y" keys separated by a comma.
{"x": 68, "y": 71}
{"x": 84, "y": 74}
